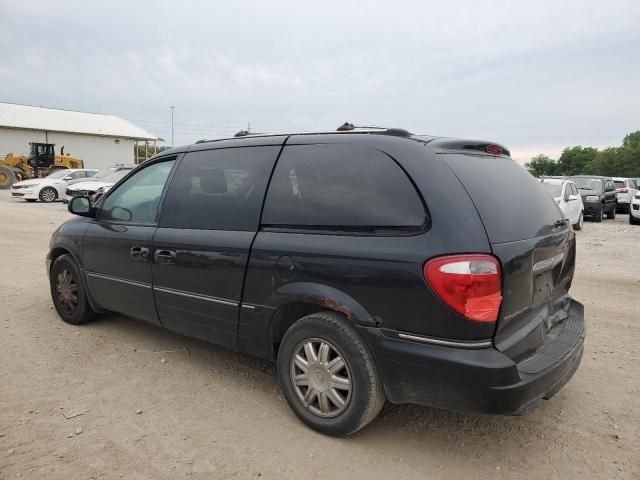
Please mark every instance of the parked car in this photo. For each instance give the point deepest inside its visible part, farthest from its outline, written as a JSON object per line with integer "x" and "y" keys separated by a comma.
{"x": 369, "y": 264}
{"x": 565, "y": 194}
{"x": 634, "y": 211}
{"x": 598, "y": 196}
{"x": 98, "y": 183}
{"x": 626, "y": 188}
{"x": 51, "y": 187}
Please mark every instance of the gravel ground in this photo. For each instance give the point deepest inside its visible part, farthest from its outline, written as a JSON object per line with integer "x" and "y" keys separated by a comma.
{"x": 122, "y": 399}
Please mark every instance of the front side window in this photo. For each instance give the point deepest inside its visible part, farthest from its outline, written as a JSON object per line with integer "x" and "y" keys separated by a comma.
{"x": 219, "y": 189}
{"x": 137, "y": 199}
{"x": 340, "y": 186}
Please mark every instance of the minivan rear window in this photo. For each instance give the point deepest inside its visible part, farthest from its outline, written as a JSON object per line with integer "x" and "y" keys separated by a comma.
{"x": 512, "y": 204}
{"x": 344, "y": 186}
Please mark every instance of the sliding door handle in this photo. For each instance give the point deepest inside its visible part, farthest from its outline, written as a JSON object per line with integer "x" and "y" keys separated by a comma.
{"x": 139, "y": 253}
{"x": 165, "y": 256}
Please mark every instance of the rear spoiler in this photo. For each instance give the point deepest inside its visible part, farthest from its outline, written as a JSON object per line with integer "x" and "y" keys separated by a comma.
{"x": 446, "y": 145}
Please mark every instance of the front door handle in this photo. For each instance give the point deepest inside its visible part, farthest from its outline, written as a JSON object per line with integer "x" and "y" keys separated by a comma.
{"x": 165, "y": 256}
{"x": 139, "y": 253}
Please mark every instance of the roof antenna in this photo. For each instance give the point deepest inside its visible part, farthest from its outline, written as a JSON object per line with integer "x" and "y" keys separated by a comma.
{"x": 345, "y": 127}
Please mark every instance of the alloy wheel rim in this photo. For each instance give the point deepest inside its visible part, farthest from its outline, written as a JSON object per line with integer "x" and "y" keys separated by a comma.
{"x": 48, "y": 195}
{"x": 67, "y": 290}
{"x": 321, "y": 377}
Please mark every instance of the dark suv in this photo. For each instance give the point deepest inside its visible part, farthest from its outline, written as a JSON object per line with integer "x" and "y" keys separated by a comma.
{"x": 370, "y": 265}
{"x": 598, "y": 196}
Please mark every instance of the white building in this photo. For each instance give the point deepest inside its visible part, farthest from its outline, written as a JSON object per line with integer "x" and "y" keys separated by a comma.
{"x": 99, "y": 140}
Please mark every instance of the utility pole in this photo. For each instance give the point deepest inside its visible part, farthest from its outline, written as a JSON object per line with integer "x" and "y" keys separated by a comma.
{"x": 172, "y": 108}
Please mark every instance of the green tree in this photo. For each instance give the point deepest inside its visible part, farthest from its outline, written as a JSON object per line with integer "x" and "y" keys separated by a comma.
{"x": 542, "y": 165}
{"x": 630, "y": 155}
{"x": 575, "y": 160}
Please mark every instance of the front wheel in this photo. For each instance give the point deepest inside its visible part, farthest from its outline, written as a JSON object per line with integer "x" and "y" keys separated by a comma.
{"x": 597, "y": 214}
{"x": 328, "y": 375}
{"x": 68, "y": 293}
{"x": 633, "y": 220}
{"x": 579, "y": 223}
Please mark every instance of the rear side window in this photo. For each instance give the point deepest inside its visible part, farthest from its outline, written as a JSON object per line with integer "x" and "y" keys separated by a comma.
{"x": 344, "y": 186}
{"x": 219, "y": 189}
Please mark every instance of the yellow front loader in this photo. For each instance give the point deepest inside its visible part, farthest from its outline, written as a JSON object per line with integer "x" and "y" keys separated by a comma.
{"x": 41, "y": 162}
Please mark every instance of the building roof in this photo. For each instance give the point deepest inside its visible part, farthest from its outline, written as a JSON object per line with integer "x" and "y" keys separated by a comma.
{"x": 54, "y": 120}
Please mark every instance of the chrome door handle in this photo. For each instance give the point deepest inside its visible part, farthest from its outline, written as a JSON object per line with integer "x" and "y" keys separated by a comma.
{"x": 165, "y": 256}
{"x": 139, "y": 253}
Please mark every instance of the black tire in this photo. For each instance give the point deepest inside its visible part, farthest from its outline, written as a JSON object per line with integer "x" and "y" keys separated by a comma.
{"x": 366, "y": 395}
{"x": 597, "y": 215}
{"x": 48, "y": 195}
{"x": 611, "y": 214}
{"x": 578, "y": 225}
{"x": 633, "y": 220}
{"x": 30, "y": 200}
{"x": 6, "y": 176}
{"x": 76, "y": 312}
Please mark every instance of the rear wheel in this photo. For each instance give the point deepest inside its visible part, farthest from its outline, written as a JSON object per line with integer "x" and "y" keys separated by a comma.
{"x": 68, "y": 293}
{"x": 328, "y": 375}
{"x": 579, "y": 223}
{"x": 6, "y": 176}
{"x": 48, "y": 195}
{"x": 597, "y": 215}
{"x": 611, "y": 214}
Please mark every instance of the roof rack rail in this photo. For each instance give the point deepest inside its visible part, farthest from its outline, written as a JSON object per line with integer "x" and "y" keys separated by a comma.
{"x": 350, "y": 127}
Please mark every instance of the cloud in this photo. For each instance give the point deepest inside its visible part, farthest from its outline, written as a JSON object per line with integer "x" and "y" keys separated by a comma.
{"x": 533, "y": 76}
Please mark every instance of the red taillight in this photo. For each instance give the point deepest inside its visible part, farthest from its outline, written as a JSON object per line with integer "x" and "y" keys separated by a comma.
{"x": 469, "y": 284}
{"x": 622, "y": 190}
{"x": 493, "y": 149}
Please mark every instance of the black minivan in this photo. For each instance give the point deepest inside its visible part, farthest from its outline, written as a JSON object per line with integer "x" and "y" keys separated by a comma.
{"x": 369, "y": 264}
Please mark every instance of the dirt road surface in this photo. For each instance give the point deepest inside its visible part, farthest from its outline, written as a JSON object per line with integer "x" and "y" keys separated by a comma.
{"x": 207, "y": 413}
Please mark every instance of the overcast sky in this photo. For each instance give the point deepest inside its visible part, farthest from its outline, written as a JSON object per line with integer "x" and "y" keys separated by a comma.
{"x": 535, "y": 76}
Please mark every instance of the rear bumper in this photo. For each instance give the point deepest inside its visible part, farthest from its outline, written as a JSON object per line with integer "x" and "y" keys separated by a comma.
{"x": 622, "y": 206}
{"x": 27, "y": 194}
{"x": 480, "y": 380}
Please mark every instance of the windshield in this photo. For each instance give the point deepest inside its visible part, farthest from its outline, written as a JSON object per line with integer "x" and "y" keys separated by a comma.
{"x": 59, "y": 174}
{"x": 554, "y": 189}
{"x": 114, "y": 177}
{"x": 586, "y": 183}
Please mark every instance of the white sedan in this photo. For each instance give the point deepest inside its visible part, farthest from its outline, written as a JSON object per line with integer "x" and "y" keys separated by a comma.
{"x": 50, "y": 188}
{"x": 566, "y": 195}
{"x": 100, "y": 183}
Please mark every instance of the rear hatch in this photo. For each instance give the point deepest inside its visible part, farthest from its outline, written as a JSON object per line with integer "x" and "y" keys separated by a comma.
{"x": 535, "y": 246}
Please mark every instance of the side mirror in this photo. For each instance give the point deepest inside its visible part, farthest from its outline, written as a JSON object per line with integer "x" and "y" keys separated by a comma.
{"x": 573, "y": 197}
{"x": 81, "y": 206}
{"x": 67, "y": 178}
